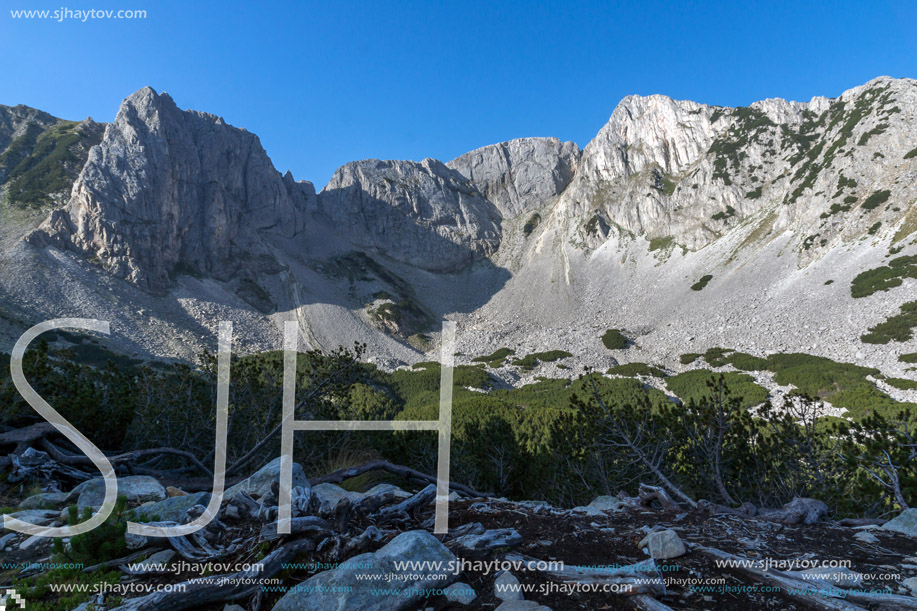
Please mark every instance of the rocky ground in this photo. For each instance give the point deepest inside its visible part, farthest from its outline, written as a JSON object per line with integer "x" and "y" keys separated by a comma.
{"x": 620, "y": 552}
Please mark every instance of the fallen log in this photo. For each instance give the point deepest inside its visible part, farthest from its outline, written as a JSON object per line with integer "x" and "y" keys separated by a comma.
{"x": 647, "y": 494}
{"x": 403, "y": 508}
{"x": 336, "y": 477}
{"x": 801, "y": 591}
{"x": 480, "y": 545}
{"x": 634, "y": 579}
{"x": 309, "y": 524}
{"x": 204, "y": 591}
{"x": 78, "y": 459}
{"x": 27, "y": 435}
{"x": 853, "y": 522}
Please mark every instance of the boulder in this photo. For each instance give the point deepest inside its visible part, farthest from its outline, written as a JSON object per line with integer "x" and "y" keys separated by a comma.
{"x": 478, "y": 545}
{"x": 866, "y": 537}
{"x": 260, "y": 482}
{"x": 137, "y": 489}
{"x": 911, "y": 584}
{"x": 171, "y": 509}
{"x": 342, "y": 588}
{"x": 663, "y": 544}
{"x": 327, "y": 496}
{"x": 905, "y": 523}
{"x": 39, "y": 517}
{"x": 506, "y": 587}
{"x": 460, "y": 593}
{"x": 47, "y": 500}
{"x": 608, "y": 504}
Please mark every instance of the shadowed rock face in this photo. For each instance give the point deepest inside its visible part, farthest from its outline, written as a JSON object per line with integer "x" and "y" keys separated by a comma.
{"x": 422, "y": 214}
{"x": 170, "y": 190}
{"x": 520, "y": 175}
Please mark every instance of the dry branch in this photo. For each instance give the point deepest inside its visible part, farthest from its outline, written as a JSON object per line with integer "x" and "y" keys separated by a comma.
{"x": 336, "y": 477}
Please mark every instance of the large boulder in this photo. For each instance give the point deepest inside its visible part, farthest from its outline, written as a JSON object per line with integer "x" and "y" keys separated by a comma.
{"x": 47, "y": 500}
{"x": 137, "y": 489}
{"x": 172, "y": 509}
{"x": 608, "y": 504}
{"x": 663, "y": 544}
{"x": 507, "y": 587}
{"x": 351, "y": 585}
{"x": 905, "y": 523}
{"x": 460, "y": 593}
{"x": 326, "y": 497}
{"x": 260, "y": 482}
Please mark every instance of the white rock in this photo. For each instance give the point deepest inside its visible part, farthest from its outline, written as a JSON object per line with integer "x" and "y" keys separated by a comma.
{"x": 663, "y": 544}
{"x": 460, "y": 593}
{"x": 506, "y": 587}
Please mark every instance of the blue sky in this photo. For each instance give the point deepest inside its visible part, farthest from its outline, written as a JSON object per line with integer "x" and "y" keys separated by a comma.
{"x": 323, "y": 83}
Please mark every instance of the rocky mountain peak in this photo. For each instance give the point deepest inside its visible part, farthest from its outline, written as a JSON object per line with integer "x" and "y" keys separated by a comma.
{"x": 169, "y": 190}
{"x": 423, "y": 214}
{"x": 520, "y": 175}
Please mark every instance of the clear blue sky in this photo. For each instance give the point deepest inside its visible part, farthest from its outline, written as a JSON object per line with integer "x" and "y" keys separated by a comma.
{"x": 323, "y": 83}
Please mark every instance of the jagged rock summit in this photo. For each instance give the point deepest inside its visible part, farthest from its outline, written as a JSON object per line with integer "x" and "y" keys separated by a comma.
{"x": 170, "y": 190}
{"x": 531, "y": 243}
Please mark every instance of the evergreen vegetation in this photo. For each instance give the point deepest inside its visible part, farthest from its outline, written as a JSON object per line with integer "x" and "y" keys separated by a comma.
{"x": 873, "y": 201}
{"x": 898, "y": 328}
{"x": 632, "y": 370}
{"x": 700, "y": 284}
{"x": 614, "y": 339}
{"x": 885, "y": 277}
{"x": 549, "y": 440}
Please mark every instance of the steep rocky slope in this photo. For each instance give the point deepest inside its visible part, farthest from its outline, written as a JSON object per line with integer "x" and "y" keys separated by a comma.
{"x": 531, "y": 243}
{"x": 171, "y": 190}
{"x": 422, "y": 214}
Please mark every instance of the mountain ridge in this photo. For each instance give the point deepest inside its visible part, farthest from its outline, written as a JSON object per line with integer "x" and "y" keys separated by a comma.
{"x": 531, "y": 242}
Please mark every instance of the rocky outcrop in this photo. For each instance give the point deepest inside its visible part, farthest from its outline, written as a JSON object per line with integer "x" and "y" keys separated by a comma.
{"x": 15, "y": 122}
{"x": 667, "y": 168}
{"x": 169, "y": 190}
{"x": 422, "y": 214}
{"x": 520, "y": 175}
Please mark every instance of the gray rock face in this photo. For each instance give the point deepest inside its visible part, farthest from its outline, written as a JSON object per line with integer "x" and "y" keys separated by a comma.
{"x": 259, "y": 483}
{"x": 170, "y": 190}
{"x": 339, "y": 589}
{"x": 507, "y": 587}
{"x": 608, "y": 504}
{"x": 905, "y": 523}
{"x": 137, "y": 489}
{"x": 520, "y": 175}
{"x": 460, "y": 593}
{"x": 662, "y": 167}
{"x": 47, "y": 500}
{"x": 172, "y": 509}
{"x": 422, "y": 214}
{"x": 663, "y": 544}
